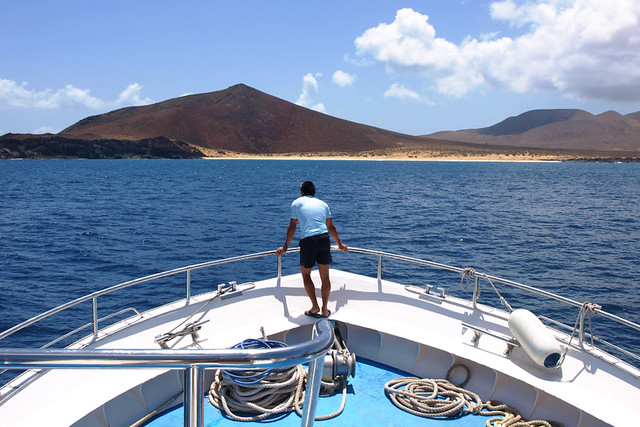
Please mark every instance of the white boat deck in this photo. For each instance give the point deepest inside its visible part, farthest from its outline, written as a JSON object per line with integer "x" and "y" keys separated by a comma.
{"x": 384, "y": 322}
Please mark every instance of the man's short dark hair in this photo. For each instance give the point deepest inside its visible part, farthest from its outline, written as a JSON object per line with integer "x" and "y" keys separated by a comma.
{"x": 308, "y": 189}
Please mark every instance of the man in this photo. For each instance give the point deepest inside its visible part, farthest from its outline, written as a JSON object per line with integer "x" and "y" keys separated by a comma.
{"x": 315, "y": 246}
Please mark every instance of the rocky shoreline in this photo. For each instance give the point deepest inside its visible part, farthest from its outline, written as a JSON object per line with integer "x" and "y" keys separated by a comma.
{"x": 14, "y": 146}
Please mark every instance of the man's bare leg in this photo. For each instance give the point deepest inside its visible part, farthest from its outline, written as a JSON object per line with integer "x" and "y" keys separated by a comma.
{"x": 310, "y": 288}
{"x": 325, "y": 290}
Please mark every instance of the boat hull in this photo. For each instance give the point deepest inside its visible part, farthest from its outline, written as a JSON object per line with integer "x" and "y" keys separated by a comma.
{"x": 382, "y": 321}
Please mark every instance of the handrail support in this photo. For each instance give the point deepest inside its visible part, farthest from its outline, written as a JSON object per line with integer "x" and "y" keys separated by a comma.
{"x": 313, "y": 388}
{"x": 188, "y": 286}
{"x": 476, "y": 290}
{"x": 193, "y": 394}
{"x": 279, "y": 269}
{"x": 94, "y": 304}
{"x": 581, "y": 317}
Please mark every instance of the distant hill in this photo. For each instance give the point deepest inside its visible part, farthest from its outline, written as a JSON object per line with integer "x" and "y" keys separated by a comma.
{"x": 635, "y": 116}
{"x": 50, "y": 146}
{"x": 240, "y": 119}
{"x": 558, "y": 129}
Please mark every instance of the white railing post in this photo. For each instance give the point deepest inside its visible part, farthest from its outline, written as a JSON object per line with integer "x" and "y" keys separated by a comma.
{"x": 193, "y": 395}
{"x": 476, "y": 290}
{"x": 188, "y": 286}
{"x": 279, "y": 269}
{"x": 313, "y": 388}
{"x": 581, "y": 317}
{"x": 94, "y": 303}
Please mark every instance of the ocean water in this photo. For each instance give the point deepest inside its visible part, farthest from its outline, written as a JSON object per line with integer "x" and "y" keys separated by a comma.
{"x": 71, "y": 227}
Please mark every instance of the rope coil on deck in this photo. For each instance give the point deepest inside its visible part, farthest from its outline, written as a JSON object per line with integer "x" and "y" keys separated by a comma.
{"x": 262, "y": 394}
{"x": 281, "y": 392}
{"x": 431, "y": 398}
{"x": 278, "y": 393}
{"x": 442, "y": 398}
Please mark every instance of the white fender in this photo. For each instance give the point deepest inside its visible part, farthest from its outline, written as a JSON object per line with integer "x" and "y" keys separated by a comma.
{"x": 536, "y": 340}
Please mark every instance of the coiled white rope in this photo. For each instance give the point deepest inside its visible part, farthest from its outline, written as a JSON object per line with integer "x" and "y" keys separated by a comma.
{"x": 277, "y": 393}
{"x": 439, "y": 398}
{"x": 509, "y": 417}
{"x": 282, "y": 391}
{"x": 268, "y": 392}
{"x": 431, "y": 398}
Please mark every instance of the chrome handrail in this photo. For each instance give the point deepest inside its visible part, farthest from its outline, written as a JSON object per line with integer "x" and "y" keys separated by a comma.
{"x": 476, "y": 292}
{"x": 461, "y": 271}
{"x": 93, "y": 296}
{"x": 85, "y": 326}
{"x": 192, "y": 361}
{"x": 379, "y": 254}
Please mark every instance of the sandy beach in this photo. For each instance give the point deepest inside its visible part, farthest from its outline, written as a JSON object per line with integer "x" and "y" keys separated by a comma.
{"x": 398, "y": 156}
{"x": 411, "y": 154}
{"x": 480, "y": 154}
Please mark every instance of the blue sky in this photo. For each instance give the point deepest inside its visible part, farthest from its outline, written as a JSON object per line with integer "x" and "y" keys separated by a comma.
{"x": 415, "y": 67}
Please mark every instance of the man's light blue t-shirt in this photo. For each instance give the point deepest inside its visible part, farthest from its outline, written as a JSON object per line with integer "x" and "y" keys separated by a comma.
{"x": 312, "y": 215}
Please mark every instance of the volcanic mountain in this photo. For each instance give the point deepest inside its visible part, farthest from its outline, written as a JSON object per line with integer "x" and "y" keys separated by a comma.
{"x": 558, "y": 129}
{"x": 239, "y": 119}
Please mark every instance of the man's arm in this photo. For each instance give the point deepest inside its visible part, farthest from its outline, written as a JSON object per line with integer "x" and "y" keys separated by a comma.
{"x": 291, "y": 231}
{"x": 334, "y": 233}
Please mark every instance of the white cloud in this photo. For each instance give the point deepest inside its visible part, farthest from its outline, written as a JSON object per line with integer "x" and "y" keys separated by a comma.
{"x": 343, "y": 79}
{"x": 15, "y": 95}
{"x": 309, "y": 91}
{"x": 46, "y": 129}
{"x": 358, "y": 61}
{"x": 399, "y": 91}
{"x": 69, "y": 95}
{"x": 319, "y": 107}
{"x": 582, "y": 48}
{"x": 19, "y": 95}
{"x": 131, "y": 96}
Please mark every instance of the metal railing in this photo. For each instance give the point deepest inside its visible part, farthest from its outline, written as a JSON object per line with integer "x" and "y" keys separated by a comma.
{"x": 193, "y": 362}
{"x": 582, "y": 317}
{"x": 93, "y": 297}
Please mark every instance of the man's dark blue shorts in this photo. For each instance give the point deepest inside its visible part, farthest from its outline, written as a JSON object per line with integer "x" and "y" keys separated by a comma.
{"x": 315, "y": 248}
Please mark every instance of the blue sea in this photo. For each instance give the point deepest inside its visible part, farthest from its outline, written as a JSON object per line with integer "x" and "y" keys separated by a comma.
{"x": 72, "y": 227}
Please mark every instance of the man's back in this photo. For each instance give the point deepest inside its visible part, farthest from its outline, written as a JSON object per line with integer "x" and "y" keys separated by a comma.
{"x": 312, "y": 214}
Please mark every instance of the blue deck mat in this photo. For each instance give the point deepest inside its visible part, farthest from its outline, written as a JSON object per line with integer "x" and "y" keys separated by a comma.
{"x": 366, "y": 403}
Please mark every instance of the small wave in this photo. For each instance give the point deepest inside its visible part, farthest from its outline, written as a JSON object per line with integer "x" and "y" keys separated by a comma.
{"x": 86, "y": 233}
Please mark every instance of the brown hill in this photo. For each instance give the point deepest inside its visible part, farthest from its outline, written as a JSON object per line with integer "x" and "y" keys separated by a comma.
{"x": 240, "y": 119}
{"x": 558, "y": 129}
{"x": 635, "y": 116}
{"x": 48, "y": 146}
